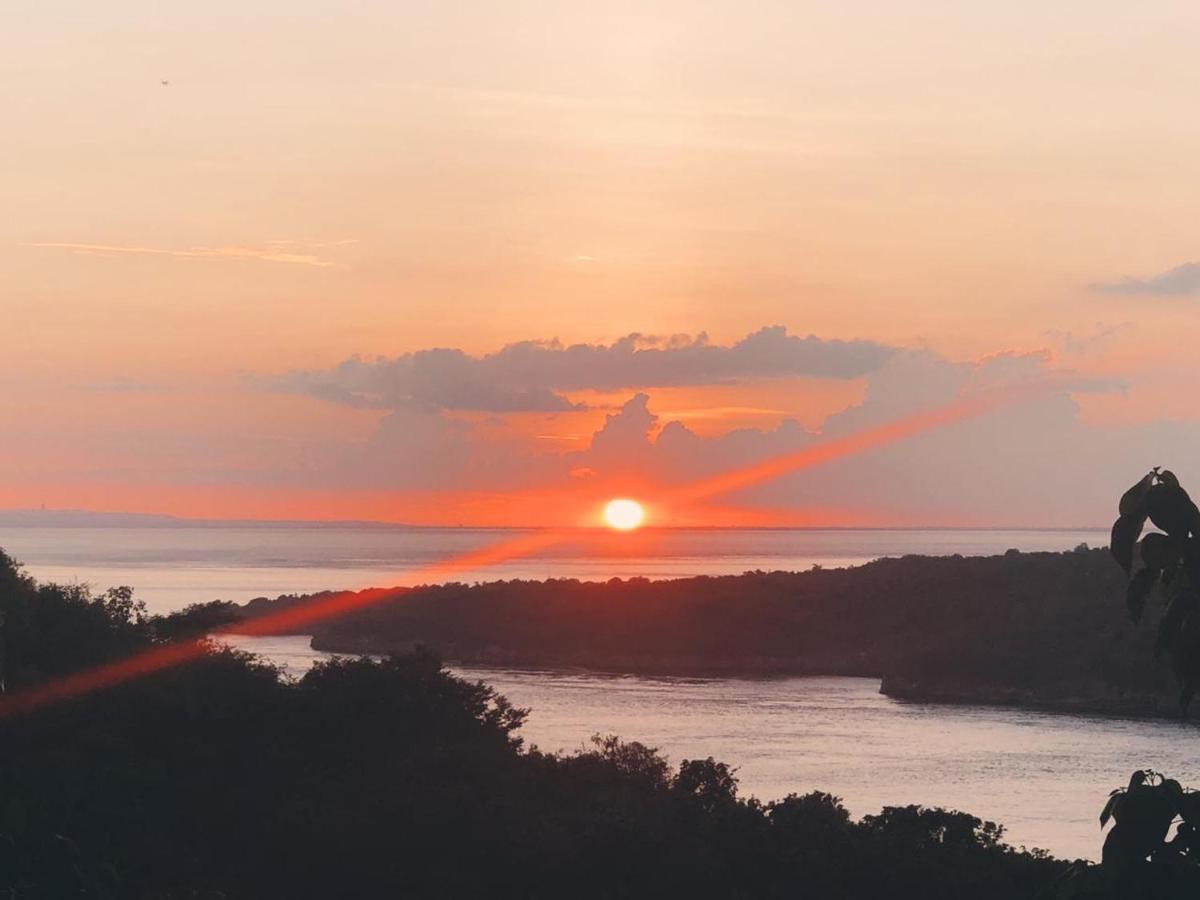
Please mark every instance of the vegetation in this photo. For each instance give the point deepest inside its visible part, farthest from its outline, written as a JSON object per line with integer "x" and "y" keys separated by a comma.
{"x": 1170, "y": 566}
{"x": 220, "y": 779}
{"x": 1023, "y": 628}
{"x": 1142, "y": 856}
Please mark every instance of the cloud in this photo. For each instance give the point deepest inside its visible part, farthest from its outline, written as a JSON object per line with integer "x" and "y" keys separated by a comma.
{"x": 1088, "y": 341}
{"x": 428, "y": 379}
{"x": 277, "y": 251}
{"x": 623, "y": 443}
{"x": 1180, "y": 281}
{"x": 1032, "y": 462}
{"x": 537, "y": 375}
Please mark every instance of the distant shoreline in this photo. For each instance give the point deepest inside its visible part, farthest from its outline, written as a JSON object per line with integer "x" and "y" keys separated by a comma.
{"x": 79, "y": 518}
{"x": 1133, "y": 707}
{"x": 1136, "y": 707}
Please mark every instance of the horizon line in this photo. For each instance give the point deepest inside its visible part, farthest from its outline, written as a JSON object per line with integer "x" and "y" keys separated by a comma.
{"x": 172, "y": 520}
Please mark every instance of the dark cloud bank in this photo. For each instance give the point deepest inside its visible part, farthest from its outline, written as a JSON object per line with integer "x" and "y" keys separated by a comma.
{"x": 534, "y": 376}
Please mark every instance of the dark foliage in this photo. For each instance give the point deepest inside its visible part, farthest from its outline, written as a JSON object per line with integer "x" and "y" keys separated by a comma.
{"x": 1170, "y": 562}
{"x": 1142, "y": 858}
{"x": 47, "y": 630}
{"x": 219, "y": 779}
{"x": 1029, "y": 628}
{"x": 196, "y": 620}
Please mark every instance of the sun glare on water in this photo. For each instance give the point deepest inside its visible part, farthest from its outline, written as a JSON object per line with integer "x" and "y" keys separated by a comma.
{"x": 623, "y": 514}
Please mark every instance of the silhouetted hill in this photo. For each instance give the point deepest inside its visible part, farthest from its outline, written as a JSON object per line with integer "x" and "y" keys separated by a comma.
{"x": 1046, "y": 629}
{"x": 86, "y": 518}
{"x": 82, "y": 518}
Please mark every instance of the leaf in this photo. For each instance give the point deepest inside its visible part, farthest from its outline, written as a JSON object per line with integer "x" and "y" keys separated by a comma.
{"x": 1191, "y": 559}
{"x": 1110, "y": 808}
{"x": 1139, "y": 589}
{"x": 1133, "y": 500}
{"x": 1168, "y": 628}
{"x": 1171, "y": 509}
{"x": 1189, "y": 807}
{"x": 1186, "y": 659}
{"x": 1167, "y": 477}
{"x": 1146, "y": 813}
{"x": 1158, "y": 551}
{"x": 1125, "y": 532}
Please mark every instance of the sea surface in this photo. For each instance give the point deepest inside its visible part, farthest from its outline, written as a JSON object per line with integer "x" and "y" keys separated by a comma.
{"x": 1044, "y": 776}
{"x": 170, "y": 567}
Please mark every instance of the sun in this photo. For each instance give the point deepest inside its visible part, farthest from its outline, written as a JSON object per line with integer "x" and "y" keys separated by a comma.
{"x": 624, "y": 514}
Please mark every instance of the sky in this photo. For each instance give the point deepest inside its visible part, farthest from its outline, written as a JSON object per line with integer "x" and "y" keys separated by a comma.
{"x": 492, "y": 263}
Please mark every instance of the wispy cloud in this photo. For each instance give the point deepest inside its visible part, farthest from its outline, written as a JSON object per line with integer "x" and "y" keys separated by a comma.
{"x": 280, "y": 251}
{"x": 1180, "y": 281}
{"x": 288, "y": 242}
{"x": 1086, "y": 341}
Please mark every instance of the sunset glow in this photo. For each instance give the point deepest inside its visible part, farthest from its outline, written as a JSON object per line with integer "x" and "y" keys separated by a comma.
{"x": 624, "y": 514}
{"x": 621, "y": 514}
{"x": 765, "y": 224}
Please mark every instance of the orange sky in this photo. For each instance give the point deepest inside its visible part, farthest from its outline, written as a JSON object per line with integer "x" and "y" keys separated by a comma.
{"x": 323, "y": 180}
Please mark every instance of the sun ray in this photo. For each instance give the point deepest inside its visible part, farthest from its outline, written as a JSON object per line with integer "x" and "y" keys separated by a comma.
{"x": 857, "y": 442}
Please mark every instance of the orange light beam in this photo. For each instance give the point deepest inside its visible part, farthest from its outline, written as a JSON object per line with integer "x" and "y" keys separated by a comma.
{"x": 347, "y": 601}
{"x": 111, "y": 674}
{"x": 114, "y": 673}
{"x": 858, "y": 442}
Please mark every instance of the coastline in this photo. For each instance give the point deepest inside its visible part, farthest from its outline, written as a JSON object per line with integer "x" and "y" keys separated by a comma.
{"x": 1077, "y": 699}
{"x": 657, "y": 666}
{"x": 1042, "y": 631}
{"x": 1068, "y": 700}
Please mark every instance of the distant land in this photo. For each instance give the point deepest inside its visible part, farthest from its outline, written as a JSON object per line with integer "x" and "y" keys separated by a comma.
{"x": 83, "y": 518}
{"x": 1045, "y": 630}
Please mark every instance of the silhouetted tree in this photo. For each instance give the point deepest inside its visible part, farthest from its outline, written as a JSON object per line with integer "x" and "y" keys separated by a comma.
{"x": 1140, "y": 857}
{"x": 712, "y": 783}
{"x": 196, "y": 620}
{"x": 1170, "y": 566}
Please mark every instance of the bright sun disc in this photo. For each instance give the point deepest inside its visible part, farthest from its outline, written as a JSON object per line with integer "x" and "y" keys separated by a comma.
{"x": 624, "y": 515}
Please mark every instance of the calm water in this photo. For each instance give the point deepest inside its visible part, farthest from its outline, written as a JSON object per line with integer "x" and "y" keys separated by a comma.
{"x": 1045, "y": 777}
{"x": 173, "y": 566}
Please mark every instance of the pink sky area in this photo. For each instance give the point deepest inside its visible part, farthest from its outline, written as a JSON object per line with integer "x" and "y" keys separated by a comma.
{"x": 495, "y": 263}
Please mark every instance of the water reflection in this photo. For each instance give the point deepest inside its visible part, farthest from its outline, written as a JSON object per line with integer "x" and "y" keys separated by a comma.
{"x": 1044, "y": 776}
